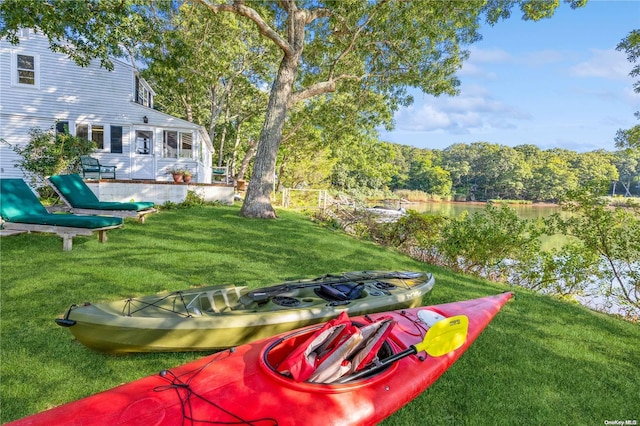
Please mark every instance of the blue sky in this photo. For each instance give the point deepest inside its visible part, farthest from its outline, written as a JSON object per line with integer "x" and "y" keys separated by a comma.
{"x": 552, "y": 83}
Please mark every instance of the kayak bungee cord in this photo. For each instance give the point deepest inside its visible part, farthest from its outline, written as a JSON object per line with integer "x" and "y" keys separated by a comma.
{"x": 419, "y": 325}
{"x": 178, "y": 384}
{"x": 129, "y": 302}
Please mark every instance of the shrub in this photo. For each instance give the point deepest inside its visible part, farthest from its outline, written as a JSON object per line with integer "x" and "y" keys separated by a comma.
{"x": 481, "y": 243}
{"x": 51, "y": 153}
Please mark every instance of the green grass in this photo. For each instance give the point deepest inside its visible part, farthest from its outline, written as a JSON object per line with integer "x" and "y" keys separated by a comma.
{"x": 541, "y": 361}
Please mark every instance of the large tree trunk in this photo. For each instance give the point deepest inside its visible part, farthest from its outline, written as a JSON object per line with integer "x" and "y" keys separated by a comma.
{"x": 257, "y": 202}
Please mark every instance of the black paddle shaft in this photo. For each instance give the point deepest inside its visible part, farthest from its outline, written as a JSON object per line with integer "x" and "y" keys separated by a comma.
{"x": 383, "y": 364}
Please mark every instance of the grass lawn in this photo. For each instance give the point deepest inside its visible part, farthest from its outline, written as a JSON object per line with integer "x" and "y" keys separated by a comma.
{"x": 541, "y": 361}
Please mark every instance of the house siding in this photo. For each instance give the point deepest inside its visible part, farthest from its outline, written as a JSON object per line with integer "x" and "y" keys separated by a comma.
{"x": 89, "y": 95}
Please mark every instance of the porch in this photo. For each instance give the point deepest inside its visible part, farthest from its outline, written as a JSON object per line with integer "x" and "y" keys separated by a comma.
{"x": 157, "y": 191}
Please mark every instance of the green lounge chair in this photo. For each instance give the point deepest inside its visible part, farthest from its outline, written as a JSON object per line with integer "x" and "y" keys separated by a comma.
{"x": 81, "y": 200}
{"x": 22, "y": 211}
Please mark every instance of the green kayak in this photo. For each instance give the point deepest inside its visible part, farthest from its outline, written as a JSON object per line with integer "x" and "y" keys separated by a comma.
{"x": 217, "y": 317}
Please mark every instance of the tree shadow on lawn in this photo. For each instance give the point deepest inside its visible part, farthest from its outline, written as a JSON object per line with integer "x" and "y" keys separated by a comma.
{"x": 43, "y": 366}
{"x": 539, "y": 359}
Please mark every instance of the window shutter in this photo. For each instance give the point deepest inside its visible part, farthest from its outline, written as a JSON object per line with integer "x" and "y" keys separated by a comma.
{"x": 116, "y": 139}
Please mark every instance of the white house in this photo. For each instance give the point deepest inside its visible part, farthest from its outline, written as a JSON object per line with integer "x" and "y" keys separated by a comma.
{"x": 43, "y": 89}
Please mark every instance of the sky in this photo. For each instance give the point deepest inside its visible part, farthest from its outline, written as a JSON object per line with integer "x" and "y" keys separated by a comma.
{"x": 555, "y": 83}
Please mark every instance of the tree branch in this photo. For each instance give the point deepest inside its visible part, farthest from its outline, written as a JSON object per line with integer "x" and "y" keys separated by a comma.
{"x": 239, "y": 8}
{"x": 355, "y": 36}
{"x": 321, "y": 87}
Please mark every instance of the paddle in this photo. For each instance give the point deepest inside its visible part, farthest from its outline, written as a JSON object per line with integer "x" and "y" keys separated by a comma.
{"x": 443, "y": 337}
{"x": 263, "y": 294}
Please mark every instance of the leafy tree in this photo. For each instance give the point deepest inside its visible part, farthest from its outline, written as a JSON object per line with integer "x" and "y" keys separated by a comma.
{"x": 298, "y": 169}
{"x": 631, "y": 45}
{"x": 85, "y": 29}
{"x": 596, "y": 166}
{"x": 628, "y": 164}
{"x": 492, "y": 170}
{"x": 553, "y": 178}
{"x": 611, "y": 234}
{"x": 385, "y": 46}
{"x": 424, "y": 175}
{"x": 381, "y": 46}
{"x": 364, "y": 165}
{"x": 203, "y": 79}
{"x": 457, "y": 159}
{"x": 485, "y": 242}
{"x": 401, "y": 160}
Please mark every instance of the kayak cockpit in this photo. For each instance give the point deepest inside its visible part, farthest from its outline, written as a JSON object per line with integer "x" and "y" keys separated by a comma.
{"x": 329, "y": 354}
{"x": 231, "y": 299}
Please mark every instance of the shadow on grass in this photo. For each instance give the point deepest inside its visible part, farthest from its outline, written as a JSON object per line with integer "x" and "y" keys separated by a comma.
{"x": 540, "y": 361}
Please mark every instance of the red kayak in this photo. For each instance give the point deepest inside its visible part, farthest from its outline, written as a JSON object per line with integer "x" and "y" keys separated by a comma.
{"x": 255, "y": 383}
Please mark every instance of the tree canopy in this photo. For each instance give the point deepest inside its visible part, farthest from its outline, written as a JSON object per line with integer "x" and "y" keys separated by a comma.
{"x": 381, "y": 46}
{"x": 631, "y": 45}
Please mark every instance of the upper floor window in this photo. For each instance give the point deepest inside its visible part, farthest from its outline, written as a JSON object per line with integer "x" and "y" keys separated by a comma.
{"x": 144, "y": 94}
{"x": 26, "y": 70}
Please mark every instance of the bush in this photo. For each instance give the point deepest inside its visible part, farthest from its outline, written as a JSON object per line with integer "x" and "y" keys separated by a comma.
{"x": 481, "y": 243}
{"x": 51, "y": 153}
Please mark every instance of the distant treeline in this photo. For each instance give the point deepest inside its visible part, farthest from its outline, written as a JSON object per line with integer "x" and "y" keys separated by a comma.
{"x": 483, "y": 171}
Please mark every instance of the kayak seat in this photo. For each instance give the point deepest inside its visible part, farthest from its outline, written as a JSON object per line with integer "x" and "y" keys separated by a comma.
{"x": 224, "y": 299}
{"x": 340, "y": 292}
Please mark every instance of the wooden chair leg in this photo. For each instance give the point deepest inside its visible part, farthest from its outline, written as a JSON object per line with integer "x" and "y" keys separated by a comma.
{"x": 102, "y": 236}
{"x": 67, "y": 242}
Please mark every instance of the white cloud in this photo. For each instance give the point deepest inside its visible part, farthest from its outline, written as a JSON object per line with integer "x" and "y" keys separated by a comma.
{"x": 609, "y": 64}
{"x": 472, "y": 111}
{"x": 425, "y": 118}
{"x": 473, "y": 67}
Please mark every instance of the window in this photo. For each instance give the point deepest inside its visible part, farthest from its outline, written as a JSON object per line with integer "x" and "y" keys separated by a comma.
{"x": 186, "y": 145}
{"x": 82, "y": 131}
{"x": 177, "y": 144}
{"x": 62, "y": 127}
{"x": 116, "y": 139}
{"x": 27, "y": 70}
{"x": 144, "y": 142}
{"x": 93, "y": 133}
{"x": 143, "y": 93}
{"x": 170, "y": 144}
{"x": 97, "y": 135}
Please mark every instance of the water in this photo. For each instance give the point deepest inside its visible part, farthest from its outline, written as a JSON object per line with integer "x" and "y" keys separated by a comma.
{"x": 525, "y": 211}
{"x": 593, "y": 298}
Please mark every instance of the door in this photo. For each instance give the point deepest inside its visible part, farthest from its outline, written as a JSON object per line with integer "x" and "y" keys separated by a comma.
{"x": 143, "y": 161}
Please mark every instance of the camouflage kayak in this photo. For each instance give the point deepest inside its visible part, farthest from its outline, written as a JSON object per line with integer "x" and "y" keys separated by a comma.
{"x": 218, "y": 317}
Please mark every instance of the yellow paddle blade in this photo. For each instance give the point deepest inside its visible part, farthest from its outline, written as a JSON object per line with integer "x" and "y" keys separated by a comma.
{"x": 445, "y": 336}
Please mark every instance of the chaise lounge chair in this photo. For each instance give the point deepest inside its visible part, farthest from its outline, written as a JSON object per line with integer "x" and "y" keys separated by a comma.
{"x": 81, "y": 200}
{"x": 22, "y": 211}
